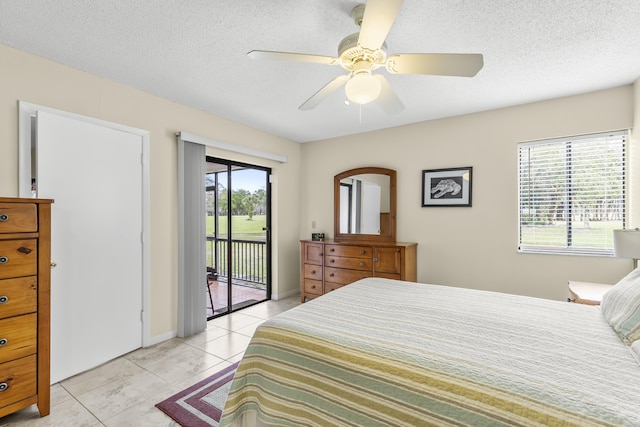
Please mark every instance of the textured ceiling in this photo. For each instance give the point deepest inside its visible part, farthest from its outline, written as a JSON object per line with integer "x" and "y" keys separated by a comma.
{"x": 194, "y": 52}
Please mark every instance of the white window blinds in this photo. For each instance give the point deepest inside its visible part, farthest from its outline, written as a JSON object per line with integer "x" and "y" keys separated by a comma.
{"x": 572, "y": 193}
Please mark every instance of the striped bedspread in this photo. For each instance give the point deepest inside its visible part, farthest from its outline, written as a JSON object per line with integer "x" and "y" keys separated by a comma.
{"x": 387, "y": 353}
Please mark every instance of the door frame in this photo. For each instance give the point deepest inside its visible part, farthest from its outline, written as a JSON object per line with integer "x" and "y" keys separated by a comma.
{"x": 26, "y": 133}
{"x": 230, "y": 164}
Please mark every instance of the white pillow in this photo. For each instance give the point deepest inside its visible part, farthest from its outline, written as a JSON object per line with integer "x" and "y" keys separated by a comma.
{"x": 621, "y": 307}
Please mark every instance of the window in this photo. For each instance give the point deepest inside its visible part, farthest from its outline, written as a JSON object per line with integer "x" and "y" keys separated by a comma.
{"x": 571, "y": 193}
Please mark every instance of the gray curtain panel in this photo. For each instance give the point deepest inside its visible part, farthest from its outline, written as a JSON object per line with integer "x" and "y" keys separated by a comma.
{"x": 192, "y": 308}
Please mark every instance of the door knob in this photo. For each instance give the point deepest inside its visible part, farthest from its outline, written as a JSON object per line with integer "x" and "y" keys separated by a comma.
{"x": 54, "y": 264}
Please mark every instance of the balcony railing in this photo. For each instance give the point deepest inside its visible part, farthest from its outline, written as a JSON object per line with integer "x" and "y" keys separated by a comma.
{"x": 249, "y": 260}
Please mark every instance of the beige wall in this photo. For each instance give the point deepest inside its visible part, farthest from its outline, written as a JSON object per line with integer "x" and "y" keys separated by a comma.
{"x": 32, "y": 79}
{"x": 472, "y": 247}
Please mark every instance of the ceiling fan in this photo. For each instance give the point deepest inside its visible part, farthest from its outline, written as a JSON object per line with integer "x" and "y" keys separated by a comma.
{"x": 364, "y": 52}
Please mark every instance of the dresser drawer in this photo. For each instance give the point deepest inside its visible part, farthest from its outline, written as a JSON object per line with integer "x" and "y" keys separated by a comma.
{"x": 313, "y": 286}
{"x": 387, "y": 260}
{"x": 388, "y": 275}
{"x": 312, "y": 253}
{"x": 18, "y": 337}
{"x": 18, "y": 296}
{"x": 351, "y": 263}
{"x": 18, "y": 218}
{"x": 343, "y": 276}
{"x": 17, "y": 380}
{"x": 18, "y": 258}
{"x": 328, "y": 286}
{"x": 349, "y": 251}
{"x": 313, "y": 272}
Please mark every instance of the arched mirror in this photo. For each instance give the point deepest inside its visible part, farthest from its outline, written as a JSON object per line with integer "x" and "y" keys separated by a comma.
{"x": 365, "y": 205}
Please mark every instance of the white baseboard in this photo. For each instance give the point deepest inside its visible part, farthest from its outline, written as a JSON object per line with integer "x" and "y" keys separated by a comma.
{"x": 159, "y": 338}
{"x": 283, "y": 295}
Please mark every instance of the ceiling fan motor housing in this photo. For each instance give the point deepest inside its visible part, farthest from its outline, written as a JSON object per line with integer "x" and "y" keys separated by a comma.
{"x": 351, "y": 53}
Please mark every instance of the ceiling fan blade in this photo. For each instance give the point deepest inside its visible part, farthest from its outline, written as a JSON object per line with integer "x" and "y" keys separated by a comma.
{"x": 388, "y": 99}
{"x": 377, "y": 21}
{"x": 326, "y": 90}
{"x": 288, "y": 56}
{"x": 441, "y": 64}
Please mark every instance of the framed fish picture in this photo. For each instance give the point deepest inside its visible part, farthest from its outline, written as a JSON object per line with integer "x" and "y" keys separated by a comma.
{"x": 447, "y": 187}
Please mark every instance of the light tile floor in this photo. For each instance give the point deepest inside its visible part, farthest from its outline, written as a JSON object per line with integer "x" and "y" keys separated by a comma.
{"x": 124, "y": 391}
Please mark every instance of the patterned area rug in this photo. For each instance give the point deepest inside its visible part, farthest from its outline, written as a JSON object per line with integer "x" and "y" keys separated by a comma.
{"x": 202, "y": 403}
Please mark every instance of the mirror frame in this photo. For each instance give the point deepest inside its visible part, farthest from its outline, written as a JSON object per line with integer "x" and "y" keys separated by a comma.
{"x": 388, "y": 237}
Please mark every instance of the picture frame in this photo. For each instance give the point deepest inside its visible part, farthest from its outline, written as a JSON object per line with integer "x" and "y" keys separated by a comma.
{"x": 447, "y": 187}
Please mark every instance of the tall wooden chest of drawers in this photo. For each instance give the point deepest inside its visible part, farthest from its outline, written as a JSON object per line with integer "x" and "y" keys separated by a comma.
{"x": 328, "y": 265}
{"x": 25, "y": 270}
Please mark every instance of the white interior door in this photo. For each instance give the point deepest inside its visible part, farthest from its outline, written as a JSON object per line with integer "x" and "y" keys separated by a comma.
{"x": 370, "y": 208}
{"x": 94, "y": 175}
{"x": 344, "y": 209}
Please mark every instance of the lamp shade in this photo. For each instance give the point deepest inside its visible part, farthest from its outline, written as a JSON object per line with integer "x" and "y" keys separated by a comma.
{"x": 363, "y": 88}
{"x": 626, "y": 243}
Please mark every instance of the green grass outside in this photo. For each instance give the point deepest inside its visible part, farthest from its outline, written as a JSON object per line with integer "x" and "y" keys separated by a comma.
{"x": 241, "y": 229}
{"x": 584, "y": 234}
{"x": 241, "y": 226}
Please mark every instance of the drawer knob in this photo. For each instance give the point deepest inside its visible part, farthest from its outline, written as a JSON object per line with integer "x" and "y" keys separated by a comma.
{"x": 3, "y": 342}
{"x": 331, "y": 275}
{"x": 362, "y": 264}
{"x": 375, "y": 260}
{"x": 332, "y": 250}
{"x": 3, "y": 299}
{"x": 24, "y": 250}
{"x": 4, "y": 386}
{"x": 4, "y": 259}
{"x": 332, "y": 261}
{"x": 313, "y": 286}
{"x": 361, "y": 252}
{"x": 4, "y": 217}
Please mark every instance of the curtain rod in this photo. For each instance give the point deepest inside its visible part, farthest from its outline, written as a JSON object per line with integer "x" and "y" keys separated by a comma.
{"x": 230, "y": 146}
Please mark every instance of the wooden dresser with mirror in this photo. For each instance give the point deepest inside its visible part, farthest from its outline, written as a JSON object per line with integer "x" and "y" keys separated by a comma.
{"x": 364, "y": 236}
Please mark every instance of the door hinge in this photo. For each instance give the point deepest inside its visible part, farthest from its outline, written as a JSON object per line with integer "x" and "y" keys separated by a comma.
{"x": 141, "y": 315}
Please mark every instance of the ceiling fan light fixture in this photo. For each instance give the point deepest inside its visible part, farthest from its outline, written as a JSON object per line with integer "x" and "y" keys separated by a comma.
{"x": 363, "y": 88}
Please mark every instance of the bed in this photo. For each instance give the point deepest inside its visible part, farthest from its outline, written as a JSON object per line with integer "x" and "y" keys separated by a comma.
{"x": 383, "y": 352}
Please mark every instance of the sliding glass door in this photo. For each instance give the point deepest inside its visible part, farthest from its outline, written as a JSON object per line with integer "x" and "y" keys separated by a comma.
{"x": 238, "y": 238}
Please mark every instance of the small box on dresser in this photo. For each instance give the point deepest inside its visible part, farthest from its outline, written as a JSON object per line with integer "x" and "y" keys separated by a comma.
{"x": 25, "y": 264}
{"x": 328, "y": 265}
